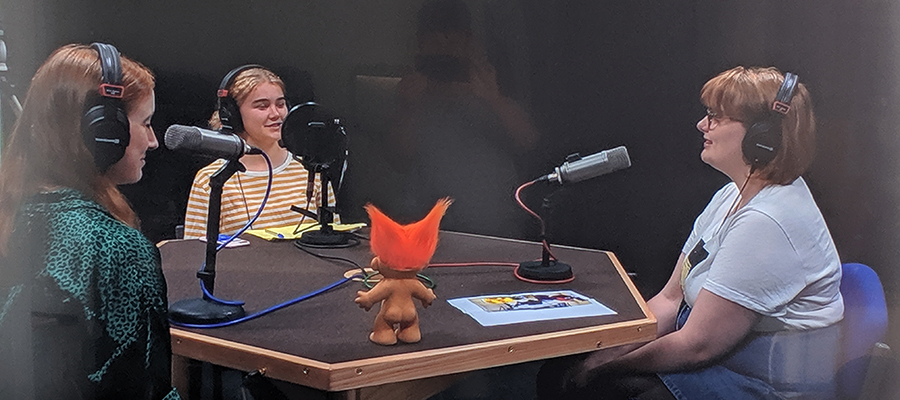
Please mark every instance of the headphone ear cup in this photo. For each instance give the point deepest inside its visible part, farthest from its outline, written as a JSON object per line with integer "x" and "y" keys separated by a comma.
{"x": 762, "y": 142}
{"x": 105, "y": 130}
{"x": 230, "y": 115}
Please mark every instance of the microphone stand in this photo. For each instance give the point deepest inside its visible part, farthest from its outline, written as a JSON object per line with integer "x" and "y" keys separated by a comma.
{"x": 207, "y": 310}
{"x": 545, "y": 270}
{"x": 326, "y": 236}
{"x": 575, "y": 169}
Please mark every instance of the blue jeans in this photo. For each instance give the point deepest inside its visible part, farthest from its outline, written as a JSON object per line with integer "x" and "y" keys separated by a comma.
{"x": 779, "y": 365}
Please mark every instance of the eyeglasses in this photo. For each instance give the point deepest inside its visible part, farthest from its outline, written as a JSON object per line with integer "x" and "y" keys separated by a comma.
{"x": 713, "y": 118}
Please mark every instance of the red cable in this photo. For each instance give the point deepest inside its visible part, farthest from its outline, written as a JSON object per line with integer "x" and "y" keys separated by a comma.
{"x": 544, "y": 243}
{"x": 528, "y": 210}
{"x": 522, "y": 278}
{"x": 475, "y": 264}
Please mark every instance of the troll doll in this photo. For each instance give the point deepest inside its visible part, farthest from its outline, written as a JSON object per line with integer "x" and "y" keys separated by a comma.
{"x": 401, "y": 251}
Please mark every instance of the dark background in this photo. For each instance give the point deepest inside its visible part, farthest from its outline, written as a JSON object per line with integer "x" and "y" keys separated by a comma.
{"x": 592, "y": 75}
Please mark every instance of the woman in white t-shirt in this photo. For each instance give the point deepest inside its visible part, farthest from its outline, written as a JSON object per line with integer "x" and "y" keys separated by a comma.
{"x": 752, "y": 306}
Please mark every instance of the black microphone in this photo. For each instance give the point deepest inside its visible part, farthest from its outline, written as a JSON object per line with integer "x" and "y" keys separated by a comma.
{"x": 577, "y": 168}
{"x": 205, "y": 141}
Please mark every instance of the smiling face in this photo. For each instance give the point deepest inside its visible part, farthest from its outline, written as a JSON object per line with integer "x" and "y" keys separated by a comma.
{"x": 129, "y": 168}
{"x": 747, "y": 94}
{"x": 263, "y": 111}
{"x": 722, "y": 137}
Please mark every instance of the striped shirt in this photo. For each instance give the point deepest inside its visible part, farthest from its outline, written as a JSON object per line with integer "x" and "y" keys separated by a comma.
{"x": 243, "y": 193}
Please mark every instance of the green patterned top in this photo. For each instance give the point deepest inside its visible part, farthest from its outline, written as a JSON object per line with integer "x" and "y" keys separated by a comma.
{"x": 92, "y": 292}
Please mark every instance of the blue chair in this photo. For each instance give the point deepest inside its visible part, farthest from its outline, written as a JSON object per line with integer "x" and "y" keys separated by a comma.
{"x": 864, "y": 327}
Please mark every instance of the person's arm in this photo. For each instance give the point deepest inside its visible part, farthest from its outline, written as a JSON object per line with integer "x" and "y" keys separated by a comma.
{"x": 715, "y": 326}
{"x": 664, "y": 307}
{"x": 133, "y": 350}
{"x": 744, "y": 284}
{"x": 666, "y": 303}
{"x": 400, "y": 141}
{"x": 518, "y": 124}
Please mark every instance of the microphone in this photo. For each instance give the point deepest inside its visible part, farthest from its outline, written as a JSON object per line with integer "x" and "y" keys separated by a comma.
{"x": 577, "y": 168}
{"x": 205, "y": 141}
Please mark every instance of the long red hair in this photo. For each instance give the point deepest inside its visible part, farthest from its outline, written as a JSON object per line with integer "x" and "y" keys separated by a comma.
{"x": 406, "y": 247}
{"x": 46, "y": 148}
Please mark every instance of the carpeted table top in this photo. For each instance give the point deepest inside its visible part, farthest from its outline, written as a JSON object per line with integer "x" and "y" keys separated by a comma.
{"x": 331, "y": 328}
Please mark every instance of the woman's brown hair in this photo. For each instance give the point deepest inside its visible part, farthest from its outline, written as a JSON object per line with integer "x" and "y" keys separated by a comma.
{"x": 46, "y": 148}
{"x": 747, "y": 94}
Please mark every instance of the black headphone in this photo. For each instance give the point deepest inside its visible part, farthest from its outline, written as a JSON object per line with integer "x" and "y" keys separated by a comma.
{"x": 104, "y": 124}
{"x": 229, "y": 111}
{"x": 763, "y": 139}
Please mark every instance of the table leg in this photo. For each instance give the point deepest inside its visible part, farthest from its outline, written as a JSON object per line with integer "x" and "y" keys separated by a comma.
{"x": 181, "y": 374}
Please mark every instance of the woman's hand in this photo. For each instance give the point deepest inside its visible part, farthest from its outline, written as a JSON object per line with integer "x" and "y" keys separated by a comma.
{"x": 595, "y": 364}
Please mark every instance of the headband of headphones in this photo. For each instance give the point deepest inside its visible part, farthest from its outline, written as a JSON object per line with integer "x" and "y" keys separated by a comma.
{"x": 224, "y": 87}
{"x": 229, "y": 111}
{"x": 111, "y": 71}
{"x": 763, "y": 138}
{"x": 782, "y": 102}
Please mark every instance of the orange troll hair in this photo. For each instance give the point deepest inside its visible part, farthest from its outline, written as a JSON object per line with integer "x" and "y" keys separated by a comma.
{"x": 406, "y": 247}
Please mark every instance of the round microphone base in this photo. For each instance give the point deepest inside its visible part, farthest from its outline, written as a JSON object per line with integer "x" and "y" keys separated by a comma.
{"x": 320, "y": 239}
{"x": 538, "y": 272}
{"x": 204, "y": 312}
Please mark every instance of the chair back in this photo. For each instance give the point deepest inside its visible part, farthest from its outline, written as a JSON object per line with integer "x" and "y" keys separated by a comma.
{"x": 865, "y": 324}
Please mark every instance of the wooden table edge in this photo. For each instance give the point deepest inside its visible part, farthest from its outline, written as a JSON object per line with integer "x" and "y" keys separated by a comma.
{"x": 421, "y": 364}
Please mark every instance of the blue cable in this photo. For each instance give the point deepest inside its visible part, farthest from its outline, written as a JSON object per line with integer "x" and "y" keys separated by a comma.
{"x": 216, "y": 299}
{"x": 262, "y": 205}
{"x": 268, "y": 310}
{"x": 241, "y": 303}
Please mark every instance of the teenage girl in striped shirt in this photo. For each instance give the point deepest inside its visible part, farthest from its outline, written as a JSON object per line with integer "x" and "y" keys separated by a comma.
{"x": 255, "y": 97}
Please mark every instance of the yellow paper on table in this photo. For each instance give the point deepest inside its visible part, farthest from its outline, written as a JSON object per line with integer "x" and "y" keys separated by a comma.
{"x": 287, "y": 232}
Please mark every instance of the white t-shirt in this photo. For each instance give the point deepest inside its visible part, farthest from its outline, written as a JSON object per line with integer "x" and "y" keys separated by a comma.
{"x": 773, "y": 256}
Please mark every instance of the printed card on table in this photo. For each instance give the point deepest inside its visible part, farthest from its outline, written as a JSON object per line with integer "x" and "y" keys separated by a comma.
{"x": 502, "y": 309}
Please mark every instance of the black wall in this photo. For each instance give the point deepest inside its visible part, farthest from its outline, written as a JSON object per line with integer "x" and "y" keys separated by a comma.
{"x": 592, "y": 75}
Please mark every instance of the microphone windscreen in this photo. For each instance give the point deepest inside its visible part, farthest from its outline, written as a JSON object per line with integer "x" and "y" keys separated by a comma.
{"x": 181, "y": 136}
{"x": 618, "y": 158}
{"x": 204, "y": 141}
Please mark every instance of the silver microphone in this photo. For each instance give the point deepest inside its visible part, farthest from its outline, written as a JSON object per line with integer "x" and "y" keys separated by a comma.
{"x": 577, "y": 168}
{"x": 205, "y": 141}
